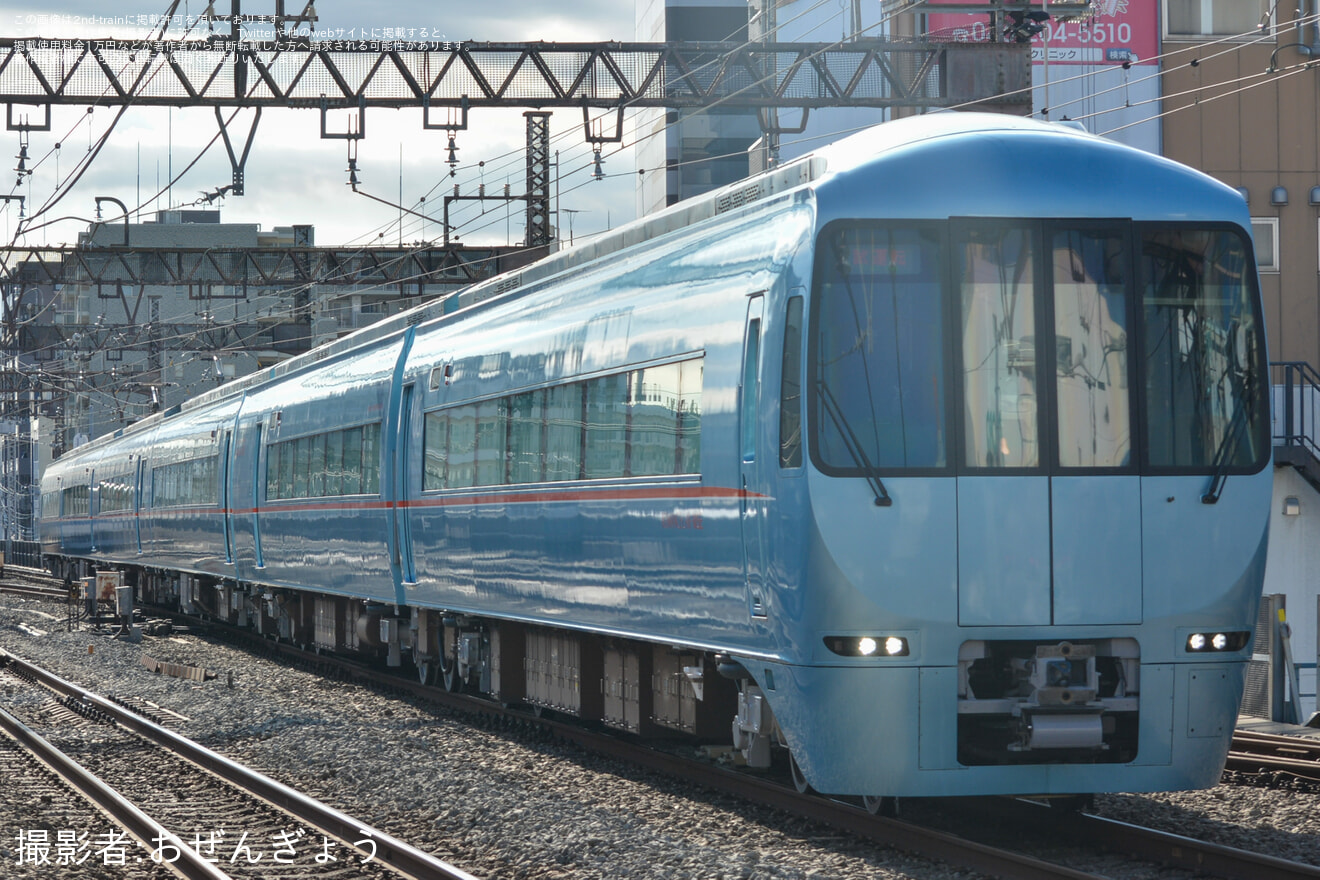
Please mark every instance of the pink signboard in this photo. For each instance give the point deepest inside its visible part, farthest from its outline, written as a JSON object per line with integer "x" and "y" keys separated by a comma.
{"x": 1118, "y": 31}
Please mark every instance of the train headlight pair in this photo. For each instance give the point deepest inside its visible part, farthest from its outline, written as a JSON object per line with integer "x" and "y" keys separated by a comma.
{"x": 1210, "y": 643}
{"x": 868, "y": 646}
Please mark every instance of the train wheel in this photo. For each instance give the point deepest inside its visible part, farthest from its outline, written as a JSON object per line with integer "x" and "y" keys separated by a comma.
{"x": 878, "y": 805}
{"x": 449, "y": 674}
{"x": 799, "y": 779}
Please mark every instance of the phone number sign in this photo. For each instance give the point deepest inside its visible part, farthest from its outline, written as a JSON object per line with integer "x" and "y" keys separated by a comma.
{"x": 1119, "y": 31}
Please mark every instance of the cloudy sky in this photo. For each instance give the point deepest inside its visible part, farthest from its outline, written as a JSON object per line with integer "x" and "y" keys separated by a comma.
{"x": 293, "y": 176}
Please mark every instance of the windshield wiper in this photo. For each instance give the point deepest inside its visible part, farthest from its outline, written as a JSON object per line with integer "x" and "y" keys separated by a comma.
{"x": 1228, "y": 446}
{"x": 854, "y": 448}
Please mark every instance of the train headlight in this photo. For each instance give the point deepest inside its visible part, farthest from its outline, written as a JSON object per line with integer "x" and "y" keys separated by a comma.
{"x": 1217, "y": 642}
{"x": 868, "y": 646}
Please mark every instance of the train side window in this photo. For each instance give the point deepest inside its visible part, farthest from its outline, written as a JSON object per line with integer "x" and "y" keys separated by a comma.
{"x": 302, "y": 453}
{"x": 563, "y": 432}
{"x": 689, "y": 416}
{"x": 353, "y": 461}
{"x": 526, "y": 449}
{"x": 273, "y": 471}
{"x": 316, "y": 476}
{"x": 435, "y": 450}
{"x": 790, "y": 388}
{"x": 371, "y": 459}
{"x": 654, "y": 397}
{"x": 334, "y": 463}
{"x": 286, "y": 469}
{"x": 750, "y": 393}
{"x": 462, "y": 458}
{"x": 606, "y": 449}
{"x": 492, "y": 441}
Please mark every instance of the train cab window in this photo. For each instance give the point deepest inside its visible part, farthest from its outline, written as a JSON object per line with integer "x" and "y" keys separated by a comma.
{"x": 1091, "y": 341}
{"x": 877, "y": 374}
{"x": 1202, "y": 351}
{"x": 997, "y": 310}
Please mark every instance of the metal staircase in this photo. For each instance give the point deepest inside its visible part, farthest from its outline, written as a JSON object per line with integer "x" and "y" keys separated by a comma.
{"x": 1295, "y": 418}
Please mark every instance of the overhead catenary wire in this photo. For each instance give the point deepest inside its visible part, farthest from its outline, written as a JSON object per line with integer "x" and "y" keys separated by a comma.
{"x": 293, "y": 313}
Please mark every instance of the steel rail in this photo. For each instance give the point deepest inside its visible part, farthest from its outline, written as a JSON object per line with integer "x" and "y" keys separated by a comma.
{"x": 1137, "y": 842}
{"x": 190, "y": 864}
{"x": 34, "y": 592}
{"x": 1203, "y": 856}
{"x": 907, "y": 837}
{"x": 389, "y": 850}
{"x": 1177, "y": 850}
{"x": 1253, "y": 752}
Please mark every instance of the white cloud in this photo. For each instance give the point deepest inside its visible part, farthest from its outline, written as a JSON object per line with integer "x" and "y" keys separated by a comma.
{"x": 292, "y": 175}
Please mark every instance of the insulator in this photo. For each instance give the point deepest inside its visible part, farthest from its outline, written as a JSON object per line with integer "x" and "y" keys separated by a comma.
{"x": 599, "y": 171}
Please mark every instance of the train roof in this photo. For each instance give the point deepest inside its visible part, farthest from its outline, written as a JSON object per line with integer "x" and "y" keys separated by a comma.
{"x": 836, "y": 158}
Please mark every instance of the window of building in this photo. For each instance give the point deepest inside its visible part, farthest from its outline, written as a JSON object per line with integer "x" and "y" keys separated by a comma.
{"x": 1265, "y": 241}
{"x": 1216, "y": 18}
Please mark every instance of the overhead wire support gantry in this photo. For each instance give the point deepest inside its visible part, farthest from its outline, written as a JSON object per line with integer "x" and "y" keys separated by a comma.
{"x": 358, "y": 74}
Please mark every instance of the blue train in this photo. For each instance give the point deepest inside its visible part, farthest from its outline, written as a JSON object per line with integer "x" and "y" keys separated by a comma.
{"x": 931, "y": 463}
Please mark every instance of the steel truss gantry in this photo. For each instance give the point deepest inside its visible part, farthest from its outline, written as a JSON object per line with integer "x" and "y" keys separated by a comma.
{"x": 328, "y": 74}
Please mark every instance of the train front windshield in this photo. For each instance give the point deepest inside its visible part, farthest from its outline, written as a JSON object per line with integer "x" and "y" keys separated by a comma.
{"x": 1035, "y": 346}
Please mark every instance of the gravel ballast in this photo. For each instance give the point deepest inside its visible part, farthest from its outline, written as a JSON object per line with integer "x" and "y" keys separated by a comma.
{"x": 507, "y": 804}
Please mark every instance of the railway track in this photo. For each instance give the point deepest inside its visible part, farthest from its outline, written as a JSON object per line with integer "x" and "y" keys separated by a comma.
{"x": 209, "y": 817}
{"x": 1272, "y": 758}
{"x": 1138, "y": 843}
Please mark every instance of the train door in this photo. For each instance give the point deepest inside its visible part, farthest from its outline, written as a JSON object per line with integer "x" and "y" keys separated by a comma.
{"x": 93, "y": 508}
{"x": 137, "y": 502}
{"x": 751, "y": 500}
{"x": 403, "y": 456}
{"x": 258, "y": 461}
{"x": 226, "y": 511}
